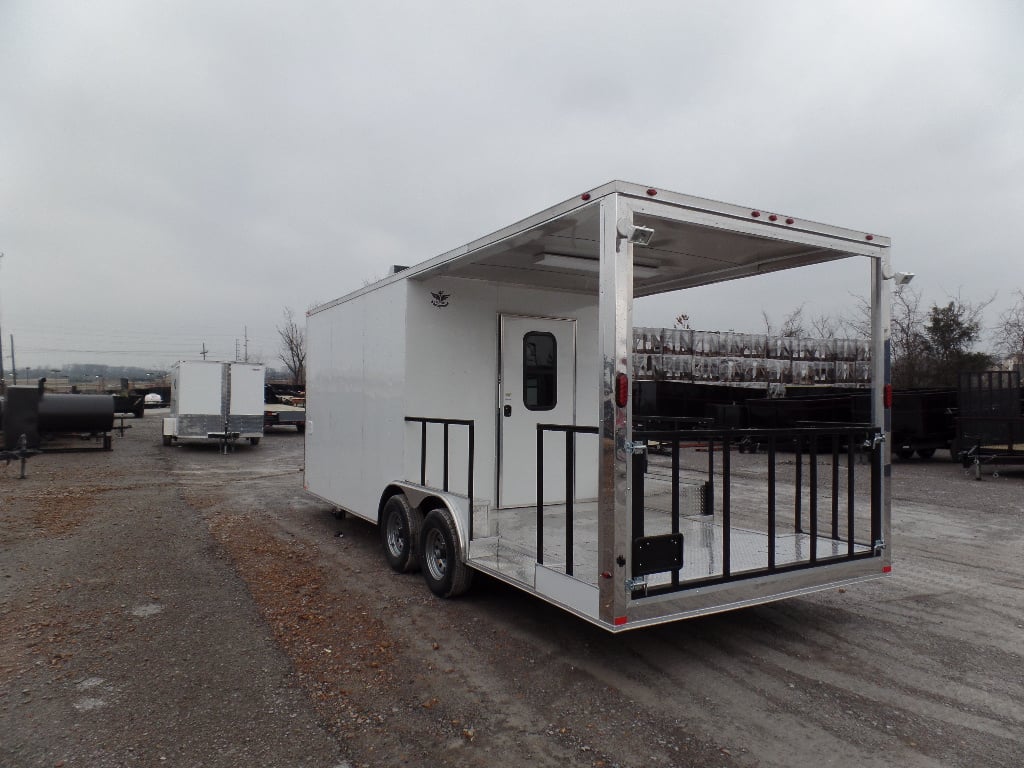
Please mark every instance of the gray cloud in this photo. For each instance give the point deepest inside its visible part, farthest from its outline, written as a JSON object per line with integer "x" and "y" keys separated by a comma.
{"x": 175, "y": 172}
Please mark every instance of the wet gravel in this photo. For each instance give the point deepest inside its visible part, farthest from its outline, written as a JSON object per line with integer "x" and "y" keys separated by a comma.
{"x": 177, "y": 606}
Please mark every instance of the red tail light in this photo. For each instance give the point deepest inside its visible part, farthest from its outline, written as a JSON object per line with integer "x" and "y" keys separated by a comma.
{"x": 887, "y": 396}
{"x": 621, "y": 390}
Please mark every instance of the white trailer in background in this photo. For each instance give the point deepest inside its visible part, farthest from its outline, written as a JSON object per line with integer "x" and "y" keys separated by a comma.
{"x": 215, "y": 401}
{"x": 477, "y": 408}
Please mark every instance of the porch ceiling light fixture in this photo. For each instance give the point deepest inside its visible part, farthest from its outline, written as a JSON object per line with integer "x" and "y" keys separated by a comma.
{"x": 899, "y": 278}
{"x": 902, "y": 278}
{"x": 636, "y": 234}
{"x": 587, "y": 264}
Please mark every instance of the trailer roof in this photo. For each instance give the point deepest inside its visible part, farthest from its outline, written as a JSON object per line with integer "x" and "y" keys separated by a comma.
{"x": 696, "y": 242}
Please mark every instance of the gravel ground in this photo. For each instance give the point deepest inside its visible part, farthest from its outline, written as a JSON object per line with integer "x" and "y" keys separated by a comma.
{"x": 176, "y": 606}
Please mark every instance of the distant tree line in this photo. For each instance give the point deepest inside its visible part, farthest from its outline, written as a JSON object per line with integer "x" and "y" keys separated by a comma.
{"x": 83, "y": 372}
{"x": 929, "y": 347}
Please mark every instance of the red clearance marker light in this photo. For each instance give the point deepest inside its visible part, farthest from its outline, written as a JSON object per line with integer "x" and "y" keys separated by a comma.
{"x": 755, "y": 214}
{"x": 886, "y": 569}
{"x": 621, "y": 389}
{"x": 869, "y": 237}
{"x": 620, "y": 620}
{"x": 652, "y": 192}
{"x": 606, "y": 574}
{"x": 789, "y": 221}
{"x": 773, "y": 217}
{"x": 887, "y": 395}
{"x": 585, "y": 196}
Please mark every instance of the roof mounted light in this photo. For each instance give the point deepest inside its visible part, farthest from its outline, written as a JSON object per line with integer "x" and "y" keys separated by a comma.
{"x": 636, "y": 234}
{"x": 899, "y": 278}
{"x": 587, "y": 264}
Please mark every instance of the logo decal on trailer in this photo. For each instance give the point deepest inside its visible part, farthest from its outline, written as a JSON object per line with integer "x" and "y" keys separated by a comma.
{"x": 440, "y": 299}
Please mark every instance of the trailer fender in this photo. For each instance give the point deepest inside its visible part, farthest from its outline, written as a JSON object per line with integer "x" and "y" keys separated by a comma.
{"x": 425, "y": 500}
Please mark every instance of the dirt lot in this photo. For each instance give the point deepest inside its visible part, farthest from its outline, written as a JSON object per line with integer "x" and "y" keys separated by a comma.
{"x": 179, "y": 607}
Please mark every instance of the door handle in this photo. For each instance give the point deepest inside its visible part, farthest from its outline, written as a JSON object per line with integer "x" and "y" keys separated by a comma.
{"x": 508, "y": 411}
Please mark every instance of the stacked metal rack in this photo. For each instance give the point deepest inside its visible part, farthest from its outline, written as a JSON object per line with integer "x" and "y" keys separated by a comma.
{"x": 682, "y": 354}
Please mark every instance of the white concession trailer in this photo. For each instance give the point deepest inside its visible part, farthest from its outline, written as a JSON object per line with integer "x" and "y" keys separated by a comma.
{"x": 215, "y": 401}
{"x": 477, "y": 407}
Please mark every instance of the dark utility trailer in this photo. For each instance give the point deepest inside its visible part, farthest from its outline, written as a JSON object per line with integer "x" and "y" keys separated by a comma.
{"x": 478, "y": 407}
{"x": 283, "y": 410}
{"x": 133, "y": 404}
{"x": 990, "y": 428}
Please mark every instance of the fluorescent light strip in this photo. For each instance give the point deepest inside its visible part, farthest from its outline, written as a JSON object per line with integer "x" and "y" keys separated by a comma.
{"x": 589, "y": 265}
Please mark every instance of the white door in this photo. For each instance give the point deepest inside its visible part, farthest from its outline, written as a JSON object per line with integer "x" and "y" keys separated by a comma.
{"x": 537, "y": 386}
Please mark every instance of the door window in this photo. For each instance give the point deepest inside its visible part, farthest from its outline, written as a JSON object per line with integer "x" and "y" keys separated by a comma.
{"x": 539, "y": 369}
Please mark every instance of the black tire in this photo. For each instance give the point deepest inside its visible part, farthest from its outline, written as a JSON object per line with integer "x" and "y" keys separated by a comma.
{"x": 254, "y": 441}
{"x": 905, "y": 453}
{"x": 925, "y": 453}
{"x": 444, "y": 570}
{"x": 167, "y": 439}
{"x": 400, "y": 534}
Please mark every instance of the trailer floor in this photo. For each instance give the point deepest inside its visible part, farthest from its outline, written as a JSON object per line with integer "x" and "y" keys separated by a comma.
{"x": 512, "y": 552}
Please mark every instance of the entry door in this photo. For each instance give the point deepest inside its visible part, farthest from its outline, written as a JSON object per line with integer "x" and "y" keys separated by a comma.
{"x": 538, "y": 386}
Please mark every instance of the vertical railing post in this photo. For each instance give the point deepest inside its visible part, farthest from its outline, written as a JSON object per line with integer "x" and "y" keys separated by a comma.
{"x": 675, "y": 499}
{"x": 444, "y": 481}
{"x": 469, "y": 478}
{"x": 726, "y": 511}
{"x": 711, "y": 478}
{"x": 638, "y": 496}
{"x": 798, "y": 497}
{"x": 540, "y": 494}
{"x": 876, "y": 490}
{"x": 835, "y": 487}
{"x": 850, "y": 449}
{"x": 812, "y": 478}
{"x": 771, "y": 501}
{"x": 570, "y": 461}
{"x": 423, "y": 452}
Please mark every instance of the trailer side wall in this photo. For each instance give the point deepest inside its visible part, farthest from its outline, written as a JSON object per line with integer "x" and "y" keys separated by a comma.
{"x": 401, "y": 351}
{"x": 355, "y": 398}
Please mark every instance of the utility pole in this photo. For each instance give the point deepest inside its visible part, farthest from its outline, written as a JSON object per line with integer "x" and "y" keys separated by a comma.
{"x": 14, "y": 368}
{"x": 245, "y": 330}
{"x": 204, "y": 351}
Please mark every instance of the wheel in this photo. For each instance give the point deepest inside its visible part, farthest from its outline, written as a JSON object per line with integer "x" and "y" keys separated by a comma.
{"x": 167, "y": 439}
{"x": 399, "y": 532}
{"x": 904, "y": 453}
{"x": 443, "y": 569}
{"x": 254, "y": 441}
{"x": 925, "y": 453}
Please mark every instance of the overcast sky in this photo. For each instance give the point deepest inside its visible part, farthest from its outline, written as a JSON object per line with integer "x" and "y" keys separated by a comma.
{"x": 176, "y": 172}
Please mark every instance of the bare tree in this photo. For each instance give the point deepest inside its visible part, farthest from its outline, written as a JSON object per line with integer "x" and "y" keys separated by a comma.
{"x": 683, "y": 321}
{"x": 824, "y": 327}
{"x": 907, "y": 321}
{"x": 1009, "y": 334}
{"x": 293, "y": 347}
{"x": 792, "y": 324}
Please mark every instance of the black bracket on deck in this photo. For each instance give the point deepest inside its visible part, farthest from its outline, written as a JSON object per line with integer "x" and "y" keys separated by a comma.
{"x": 657, "y": 554}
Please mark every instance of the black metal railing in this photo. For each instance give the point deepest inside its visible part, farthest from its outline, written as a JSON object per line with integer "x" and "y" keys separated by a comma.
{"x": 841, "y": 442}
{"x": 570, "y": 433}
{"x": 446, "y": 424}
